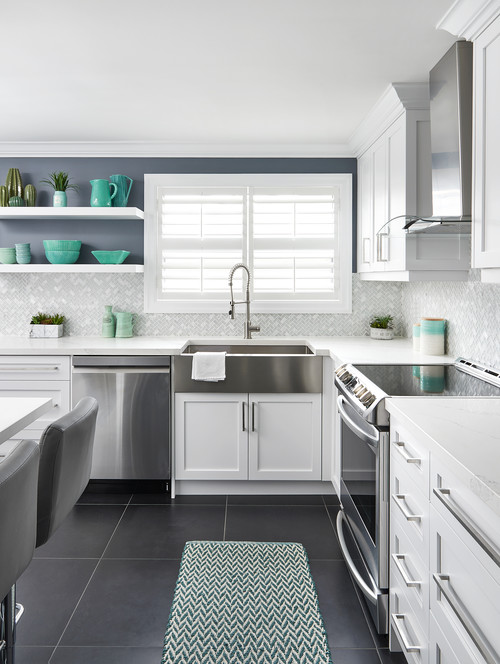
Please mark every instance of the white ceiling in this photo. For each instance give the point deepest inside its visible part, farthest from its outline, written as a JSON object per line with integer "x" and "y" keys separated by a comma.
{"x": 208, "y": 72}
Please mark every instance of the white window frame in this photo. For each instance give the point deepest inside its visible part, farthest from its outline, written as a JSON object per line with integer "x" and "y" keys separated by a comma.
{"x": 343, "y": 304}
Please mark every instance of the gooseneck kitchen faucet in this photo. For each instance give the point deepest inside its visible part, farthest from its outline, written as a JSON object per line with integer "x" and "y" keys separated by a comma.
{"x": 249, "y": 328}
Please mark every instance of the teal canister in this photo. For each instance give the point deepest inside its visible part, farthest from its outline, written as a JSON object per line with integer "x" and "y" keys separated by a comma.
{"x": 100, "y": 195}
{"x": 123, "y": 324}
{"x": 123, "y": 187}
{"x": 108, "y": 322}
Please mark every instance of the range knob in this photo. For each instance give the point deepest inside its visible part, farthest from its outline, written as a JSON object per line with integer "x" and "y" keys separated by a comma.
{"x": 359, "y": 390}
{"x": 346, "y": 377}
{"x": 367, "y": 399}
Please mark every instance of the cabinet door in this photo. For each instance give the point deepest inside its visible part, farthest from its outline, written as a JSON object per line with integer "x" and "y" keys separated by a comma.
{"x": 285, "y": 437}
{"x": 486, "y": 214}
{"x": 211, "y": 438}
{"x": 365, "y": 212}
{"x": 392, "y": 243}
{"x": 380, "y": 200}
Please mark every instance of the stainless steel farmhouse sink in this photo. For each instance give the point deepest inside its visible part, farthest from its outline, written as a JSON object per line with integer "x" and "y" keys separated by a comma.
{"x": 250, "y": 349}
{"x": 263, "y": 368}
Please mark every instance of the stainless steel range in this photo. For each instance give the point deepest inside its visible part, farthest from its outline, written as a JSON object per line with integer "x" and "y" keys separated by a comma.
{"x": 363, "y": 521}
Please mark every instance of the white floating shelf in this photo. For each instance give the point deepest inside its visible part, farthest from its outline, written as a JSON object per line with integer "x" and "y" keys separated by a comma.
{"x": 91, "y": 267}
{"x": 117, "y": 214}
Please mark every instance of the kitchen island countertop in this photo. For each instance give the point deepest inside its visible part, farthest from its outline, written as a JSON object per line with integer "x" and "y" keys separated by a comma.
{"x": 361, "y": 350}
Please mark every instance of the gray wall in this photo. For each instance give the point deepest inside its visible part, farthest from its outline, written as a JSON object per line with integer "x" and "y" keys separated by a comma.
{"x": 106, "y": 234}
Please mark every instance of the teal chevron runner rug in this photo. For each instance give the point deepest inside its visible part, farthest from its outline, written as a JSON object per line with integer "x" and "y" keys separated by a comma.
{"x": 245, "y": 603}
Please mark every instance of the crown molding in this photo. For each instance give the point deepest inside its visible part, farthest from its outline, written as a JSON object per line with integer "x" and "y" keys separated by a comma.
{"x": 468, "y": 18}
{"x": 397, "y": 98}
{"x": 164, "y": 150}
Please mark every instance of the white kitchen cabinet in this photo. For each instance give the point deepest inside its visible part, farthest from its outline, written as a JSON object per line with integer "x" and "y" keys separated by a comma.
{"x": 37, "y": 376}
{"x": 284, "y": 437}
{"x": 486, "y": 171}
{"x": 394, "y": 179}
{"x": 445, "y": 553}
{"x": 247, "y": 436}
{"x": 211, "y": 436}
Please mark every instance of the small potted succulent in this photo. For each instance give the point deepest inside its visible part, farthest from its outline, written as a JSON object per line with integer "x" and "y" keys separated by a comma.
{"x": 381, "y": 327}
{"x": 60, "y": 182}
{"x": 46, "y": 325}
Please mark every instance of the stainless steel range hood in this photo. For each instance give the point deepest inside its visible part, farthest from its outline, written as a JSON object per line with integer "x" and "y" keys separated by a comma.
{"x": 450, "y": 83}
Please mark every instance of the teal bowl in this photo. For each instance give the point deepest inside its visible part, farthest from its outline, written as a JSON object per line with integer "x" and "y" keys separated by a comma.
{"x": 7, "y": 255}
{"x": 62, "y": 245}
{"x": 62, "y": 257}
{"x": 111, "y": 257}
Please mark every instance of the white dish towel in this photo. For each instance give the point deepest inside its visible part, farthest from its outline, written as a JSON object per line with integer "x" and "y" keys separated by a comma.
{"x": 210, "y": 367}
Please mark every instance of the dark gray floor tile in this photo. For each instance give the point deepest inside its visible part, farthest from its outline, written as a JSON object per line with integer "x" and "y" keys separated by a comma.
{"x": 84, "y": 533}
{"x": 164, "y": 499}
{"x": 388, "y": 657}
{"x": 49, "y": 590}
{"x": 331, "y": 499}
{"x": 342, "y": 613}
{"x": 126, "y": 604}
{"x": 91, "y": 498}
{"x": 275, "y": 500}
{"x": 91, "y": 655}
{"x": 308, "y": 525}
{"x": 354, "y": 656}
{"x": 33, "y": 654}
{"x": 164, "y": 530}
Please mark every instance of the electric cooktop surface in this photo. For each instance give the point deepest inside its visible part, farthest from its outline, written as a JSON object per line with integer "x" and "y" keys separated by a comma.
{"x": 401, "y": 380}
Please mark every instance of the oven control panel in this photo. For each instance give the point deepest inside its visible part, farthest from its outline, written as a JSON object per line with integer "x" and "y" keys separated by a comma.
{"x": 359, "y": 391}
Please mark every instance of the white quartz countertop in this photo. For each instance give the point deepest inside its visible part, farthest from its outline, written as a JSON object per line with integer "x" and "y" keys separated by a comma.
{"x": 465, "y": 433}
{"x": 361, "y": 350}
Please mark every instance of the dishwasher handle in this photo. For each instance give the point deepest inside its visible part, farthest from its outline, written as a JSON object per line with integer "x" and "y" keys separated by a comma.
{"x": 120, "y": 370}
{"x": 122, "y": 361}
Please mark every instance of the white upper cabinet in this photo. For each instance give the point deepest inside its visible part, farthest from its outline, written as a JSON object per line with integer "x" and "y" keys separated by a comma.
{"x": 394, "y": 179}
{"x": 486, "y": 218}
{"x": 479, "y": 22}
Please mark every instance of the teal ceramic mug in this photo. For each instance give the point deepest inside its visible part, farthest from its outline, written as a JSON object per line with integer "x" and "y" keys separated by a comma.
{"x": 123, "y": 187}
{"x": 123, "y": 324}
{"x": 101, "y": 195}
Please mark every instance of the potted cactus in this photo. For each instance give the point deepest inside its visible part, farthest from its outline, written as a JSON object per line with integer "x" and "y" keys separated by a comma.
{"x": 60, "y": 182}
{"x": 46, "y": 325}
{"x": 381, "y": 327}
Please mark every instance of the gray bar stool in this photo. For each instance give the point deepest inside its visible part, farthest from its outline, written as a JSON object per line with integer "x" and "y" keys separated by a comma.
{"x": 18, "y": 519}
{"x": 66, "y": 449}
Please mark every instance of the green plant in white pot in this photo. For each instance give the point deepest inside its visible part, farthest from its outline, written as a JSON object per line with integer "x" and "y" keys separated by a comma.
{"x": 61, "y": 183}
{"x": 46, "y": 325}
{"x": 381, "y": 327}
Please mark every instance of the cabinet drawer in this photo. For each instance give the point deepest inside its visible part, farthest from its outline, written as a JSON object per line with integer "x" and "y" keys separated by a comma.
{"x": 441, "y": 651}
{"x": 58, "y": 391}
{"x": 412, "y": 455}
{"x": 408, "y": 502}
{"x": 34, "y": 367}
{"x": 477, "y": 524}
{"x": 405, "y": 626}
{"x": 464, "y": 597}
{"x": 409, "y": 571}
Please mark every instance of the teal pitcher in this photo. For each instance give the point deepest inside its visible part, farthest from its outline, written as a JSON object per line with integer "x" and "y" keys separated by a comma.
{"x": 100, "y": 195}
{"x": 124, "y": 185}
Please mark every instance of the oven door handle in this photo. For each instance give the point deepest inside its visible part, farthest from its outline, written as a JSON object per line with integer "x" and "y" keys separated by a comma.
{"x": 371, "y": 440}
{"x": 371, "y": 593}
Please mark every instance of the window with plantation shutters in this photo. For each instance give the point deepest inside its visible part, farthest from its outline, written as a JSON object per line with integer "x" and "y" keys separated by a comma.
{"x": 293, "y": 231}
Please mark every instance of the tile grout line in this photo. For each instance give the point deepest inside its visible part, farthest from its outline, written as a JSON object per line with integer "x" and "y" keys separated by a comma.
{"x": 90, "y": 579}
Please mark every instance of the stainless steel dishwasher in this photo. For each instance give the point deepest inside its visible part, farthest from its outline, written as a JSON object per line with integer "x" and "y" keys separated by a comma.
{"x": 132, "y": 439}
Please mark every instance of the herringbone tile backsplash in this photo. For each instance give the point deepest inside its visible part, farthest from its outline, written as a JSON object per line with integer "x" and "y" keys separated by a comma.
{"x": 81, "y": 298}
{"x": 471, "y": 308}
